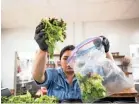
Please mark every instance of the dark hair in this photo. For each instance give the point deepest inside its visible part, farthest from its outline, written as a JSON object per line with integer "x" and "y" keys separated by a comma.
{"x": 69, "y": 47}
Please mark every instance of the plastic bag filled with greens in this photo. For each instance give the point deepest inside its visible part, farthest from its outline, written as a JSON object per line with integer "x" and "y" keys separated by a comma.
{"x": 98, "y": 76}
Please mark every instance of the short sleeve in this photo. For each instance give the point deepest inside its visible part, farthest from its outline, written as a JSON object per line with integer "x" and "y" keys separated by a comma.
{"x": 50, "y": 75}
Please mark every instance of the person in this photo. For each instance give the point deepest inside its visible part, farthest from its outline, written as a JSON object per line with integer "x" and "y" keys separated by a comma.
{"x": 61, "y": 82}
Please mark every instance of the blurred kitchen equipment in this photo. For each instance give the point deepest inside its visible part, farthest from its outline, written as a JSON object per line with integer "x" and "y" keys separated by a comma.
{"x": 125, "y": 63}
{"x": 115, "y": 53}
{"x": 134, "y": 53}
{"x": 5, "y": 92}
{"x": 51, "y": 64}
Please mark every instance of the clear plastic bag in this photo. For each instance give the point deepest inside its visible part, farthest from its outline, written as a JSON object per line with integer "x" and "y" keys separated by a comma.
{"x": 98, "y": 76}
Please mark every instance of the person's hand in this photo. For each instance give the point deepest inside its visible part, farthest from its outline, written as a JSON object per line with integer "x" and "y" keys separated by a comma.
{"x": 40, "y": 37}
{"x": 105, "y": 43}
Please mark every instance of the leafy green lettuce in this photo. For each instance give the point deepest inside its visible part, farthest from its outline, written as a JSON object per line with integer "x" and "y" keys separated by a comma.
{"x": 91, "y": 87}
{"x": 54, "y": 32}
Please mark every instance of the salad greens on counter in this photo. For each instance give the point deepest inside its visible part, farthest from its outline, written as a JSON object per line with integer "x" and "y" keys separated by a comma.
{"x": 29, "y": 99}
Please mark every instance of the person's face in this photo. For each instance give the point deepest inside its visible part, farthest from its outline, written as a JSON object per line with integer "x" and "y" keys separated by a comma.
{"x": 66, "y": 68}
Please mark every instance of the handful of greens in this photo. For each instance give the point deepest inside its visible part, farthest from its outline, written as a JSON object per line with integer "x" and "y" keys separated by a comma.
{"x": 28, "y": 99}
{"x": 91, "y": 87}
{"x": 54, "y": 32}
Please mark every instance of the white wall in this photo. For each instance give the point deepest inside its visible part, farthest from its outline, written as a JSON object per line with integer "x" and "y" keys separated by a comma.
{"x": 14, "y": 40}
{"x": 120, "y": 33}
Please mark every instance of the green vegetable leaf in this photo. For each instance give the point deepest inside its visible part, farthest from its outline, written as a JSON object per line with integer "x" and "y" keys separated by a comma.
{"x": 91, "y": 87}
{"x": 28, "y": 99}
{"x": 54, "y": 32}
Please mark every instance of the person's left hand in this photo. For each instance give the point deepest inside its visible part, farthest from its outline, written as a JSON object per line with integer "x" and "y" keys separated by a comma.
{"x": 105, "y": 43}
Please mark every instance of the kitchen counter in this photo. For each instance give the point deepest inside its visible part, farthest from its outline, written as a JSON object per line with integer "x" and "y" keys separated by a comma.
{"x": 125, "y": 96}
{"x": 129, "y": 95}
{"x": 126, "y": 93}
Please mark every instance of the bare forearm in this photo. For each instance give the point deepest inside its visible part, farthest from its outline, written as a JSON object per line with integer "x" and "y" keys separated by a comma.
{"x": 109, "y": 56}
{"x": 40, "y": 66}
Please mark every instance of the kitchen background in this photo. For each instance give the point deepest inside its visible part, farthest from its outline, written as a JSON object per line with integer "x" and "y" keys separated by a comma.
{"x": 118, "y": 20}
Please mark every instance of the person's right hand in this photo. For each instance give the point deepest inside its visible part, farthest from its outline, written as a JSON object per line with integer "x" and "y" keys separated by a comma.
{"x": 40, "y": 37}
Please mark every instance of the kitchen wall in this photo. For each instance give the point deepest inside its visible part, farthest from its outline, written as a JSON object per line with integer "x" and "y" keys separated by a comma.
{"x": 121, "y": 34}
